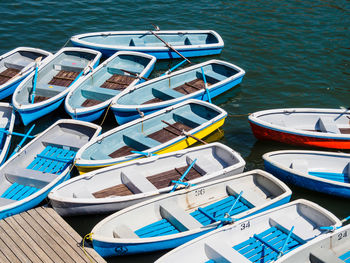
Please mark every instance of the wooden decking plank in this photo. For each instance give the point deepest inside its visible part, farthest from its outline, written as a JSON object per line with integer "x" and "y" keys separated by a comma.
{"x": 18, "y": 240}
{"x": 3, "y": 258}
{"x": 55, "y": 234}
{"x": 44, "y": 233}
{"x": 76, "y": 237}
{"x": 8, "y": 252}
{"x": 28, "y": 240}
{"x": 31, "y": 229}
{"x": 12, "y": 244}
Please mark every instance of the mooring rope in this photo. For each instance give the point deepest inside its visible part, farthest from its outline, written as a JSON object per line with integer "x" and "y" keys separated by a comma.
{"x": 238, "y": 115}
{"x": 104, "y": 117}
{"x": 87, "y": 237}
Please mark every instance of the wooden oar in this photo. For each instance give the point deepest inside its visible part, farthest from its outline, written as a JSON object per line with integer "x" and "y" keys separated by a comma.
{"x": 184, "y": 132}
{"x": 171, "y": 47}
{"x": 37, "y": 61}
{"x": 134, "y": 74}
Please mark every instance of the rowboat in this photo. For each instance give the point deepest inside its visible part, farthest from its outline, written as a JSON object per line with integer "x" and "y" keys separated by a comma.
{"x": 46, "y": 161}
{"x": 332, "y": 247}
{"x": 164, "y": 131}
{"x": 88, "y": 100}
{"x": 202, "y": 81}
{"x": 325, "y": 172}
{"x": 173, "y": 219}
{"x": 7, "y": 122}
{"x": 116, "y": 187}
{"x": 264, "y": 237}
{"x": 45, "y": 89}
{"x": 328, "y": 128}
{"x": 15, "y": 65}
{"x": 190, "y": 43}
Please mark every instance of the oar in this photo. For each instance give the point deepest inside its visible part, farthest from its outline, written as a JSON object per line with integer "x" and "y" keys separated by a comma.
{"x": 15, "y": 133}
{"x": 37, "y": 61}
{"x": 206, "y": 85}
{"x": 82, "y": 72}
{"x": 169, "y": 46}
{"x": 173, "y": 68}
{"x": 184, "y": 175}
{"x": 23, "y": 140}
{"x": 332, "y": 228}
{"x": 144, "y": 153}
{"x": 280, "y": 253}
{"x": 134, "y": 74}
{"x": 184, "y": 132}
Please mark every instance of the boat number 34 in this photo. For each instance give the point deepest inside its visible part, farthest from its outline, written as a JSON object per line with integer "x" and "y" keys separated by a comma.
{"x": 245, "y": 225}
{"x": 342, "y": 235}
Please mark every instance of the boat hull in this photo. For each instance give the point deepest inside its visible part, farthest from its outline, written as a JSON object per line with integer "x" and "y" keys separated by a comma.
{"x": 265, "y": 133}
{"x": 124, "y": 115}
{"x": 179, "y": 145}
{"x": 307, "y": 182}
{"x": 108, "y": 249}
{"x": 9, "y": 89}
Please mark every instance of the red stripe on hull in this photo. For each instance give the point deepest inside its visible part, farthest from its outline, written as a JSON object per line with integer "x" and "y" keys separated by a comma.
{"x": 263, "y": 133}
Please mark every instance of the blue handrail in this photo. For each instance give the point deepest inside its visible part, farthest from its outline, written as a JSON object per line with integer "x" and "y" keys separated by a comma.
{"x": 175, "y": 67}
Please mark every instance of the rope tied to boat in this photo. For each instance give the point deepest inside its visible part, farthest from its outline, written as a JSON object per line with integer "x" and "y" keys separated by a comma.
{"x": 104, "y": 117}
{"x": 89, "y": 238}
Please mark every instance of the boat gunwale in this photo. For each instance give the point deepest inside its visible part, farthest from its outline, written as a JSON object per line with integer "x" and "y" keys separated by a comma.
{"x": 62, "y": 94}
{"x": 254, "y": 118}
{"x": 287, "y": 192}
{"x": 222, "y": 114}
{"x": 86, "y": 110}
{"x": 124, "y": 107}
{"x": 267, "y": 158}
{"x": 77, "y": 39}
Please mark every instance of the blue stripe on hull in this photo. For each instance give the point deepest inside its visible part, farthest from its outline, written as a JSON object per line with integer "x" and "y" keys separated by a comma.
{"x": 309, "y": 183}
{"x": 88, "y": 116}
{"x": 127, "y": 115}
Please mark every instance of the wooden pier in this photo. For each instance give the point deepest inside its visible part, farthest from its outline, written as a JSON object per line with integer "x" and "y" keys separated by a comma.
{"x": 41, "y": 235}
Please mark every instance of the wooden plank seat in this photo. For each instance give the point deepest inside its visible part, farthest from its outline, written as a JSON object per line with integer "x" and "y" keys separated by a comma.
{"x": 191, "y": 86}
{"x": 162, "y": 180}
{"x": 345, "y": 257}
{"x": 39, "y": 98}
{"x": 52, "y": 160}
{"x": 64, "y": 78}
{"x": 90, "y": 102}
{"x": 219, "y": 208}
{"x": 162, "y": 94}
{"x": 116, "y": 190}
{"x": 159, "y": 228}
{"x": 123, "y": 151}
{"x": 273, "y": 239}
{"x": 169, "y": 132}
{"x": 154, "y": 100}
{"x": 344, "y": 130}
{"x": 118, "y": 82}
{"x": 7, "y": 74}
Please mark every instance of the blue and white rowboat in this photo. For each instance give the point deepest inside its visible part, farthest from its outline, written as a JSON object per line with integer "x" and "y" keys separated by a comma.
{"x": 325, "y": 172}
{"x": 89, "y": 98}
{"x": 190, "y": 43}
{"x": 29, "y": 175}
{"x": 7, "y": 122}
{"x": 15, "y": 65}
{"x": 265, "y": 237}
{"x": 45, "y": 89}
{"x": 202, "y": 81}
{"x": 173, "y": 219}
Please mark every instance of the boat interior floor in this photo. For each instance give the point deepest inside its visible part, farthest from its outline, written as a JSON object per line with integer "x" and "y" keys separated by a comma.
{"x": 7, "y": 74}
{"x": 118, "y": 82}
{"x": 160, "y": 180}
{"x": 64, "y": 78}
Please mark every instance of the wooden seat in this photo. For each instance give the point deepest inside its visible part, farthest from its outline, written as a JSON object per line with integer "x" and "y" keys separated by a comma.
{"x": 123, "y": 151}
{"x": 7, "y": 74}
{"x": 118, "y": 82}
{"x": 116, "y": 190}
{"x": 164, "y": 179}
{"x": 64, "y": 78}
{"x": 154, "y": 100}
{"x": 90, "y": 102}
{"x": 169, "y": 132}
{"x": 38, "y": 99}
{"x": 192, "y": 86}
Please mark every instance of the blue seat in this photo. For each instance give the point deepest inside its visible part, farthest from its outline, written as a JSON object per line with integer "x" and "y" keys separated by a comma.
{"x": 160, "y": 228}
{"x": 345, "y": 257}
{"x": 18, "y": 192}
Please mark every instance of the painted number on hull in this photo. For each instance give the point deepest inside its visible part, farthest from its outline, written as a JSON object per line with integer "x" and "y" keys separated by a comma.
{"x": 121, "y": 250}
{"x": 199, "y": 192}
{"x": 245, "y": 225}
{"x": 342, "y": 235}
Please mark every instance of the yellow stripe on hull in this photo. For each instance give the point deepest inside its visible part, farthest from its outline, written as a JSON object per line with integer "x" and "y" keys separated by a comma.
{"x": 174, "y": 147}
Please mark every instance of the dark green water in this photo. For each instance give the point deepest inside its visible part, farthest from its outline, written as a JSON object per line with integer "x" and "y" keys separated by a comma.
{"x": 295, "y": 53}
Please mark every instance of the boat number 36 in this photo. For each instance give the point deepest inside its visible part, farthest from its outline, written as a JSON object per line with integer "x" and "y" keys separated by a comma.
{"x": 245, "y": 225}
{"x": 199, "y": 192}
{"x": 342, "y": 235}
